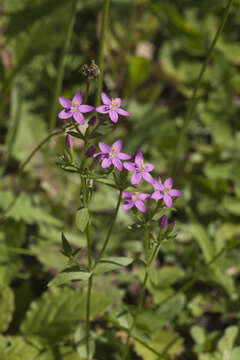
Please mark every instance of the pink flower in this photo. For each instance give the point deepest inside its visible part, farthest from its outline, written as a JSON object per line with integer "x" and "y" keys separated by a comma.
{"x": 111, "y": 155}
{"x": 139, "y": 169}
{"x": 134, "y": 199}
{"x": 165, "y": 191}
{"x": 74, "y": 108}
{"x": 111, "y": 107}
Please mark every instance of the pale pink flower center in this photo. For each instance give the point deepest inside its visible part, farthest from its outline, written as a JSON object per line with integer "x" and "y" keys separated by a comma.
{"x": 135, "y": 196}
{"x": 74, "y": 107}
{"x": 166, "y": 190}
{"x": 113, "y": 152}
{"x": 142, "y": 167}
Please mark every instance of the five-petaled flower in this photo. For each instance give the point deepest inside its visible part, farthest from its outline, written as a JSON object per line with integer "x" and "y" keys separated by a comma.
{"x": 111, "y": 107}
{"x": 139, "y": 169}
{"x": 134, "y": 199}
{"x": 111, "y": 155}
{"x": 164, "y": 191}
{"x": 74, "y": 108}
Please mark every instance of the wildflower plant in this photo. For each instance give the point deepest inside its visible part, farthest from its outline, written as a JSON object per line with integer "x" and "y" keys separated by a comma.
{"x": 128, "y": 175}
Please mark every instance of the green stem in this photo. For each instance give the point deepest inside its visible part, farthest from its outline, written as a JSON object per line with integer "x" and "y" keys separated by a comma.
{"x": 59, "y": 80}
{"x": 29, "y": 158}
{"x": 139, "y": 309}
{"x": 194, "y": 100}
{"x": 142, "y": 293}
{"x": 88, "y": 304}
{"x": 105, "y": 244}
{"x": 101, "y": 50}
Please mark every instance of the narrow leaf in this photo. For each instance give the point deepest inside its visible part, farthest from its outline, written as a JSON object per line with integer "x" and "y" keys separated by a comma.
{"x": 82, "y": 218}
{"x": 112, "y": 263}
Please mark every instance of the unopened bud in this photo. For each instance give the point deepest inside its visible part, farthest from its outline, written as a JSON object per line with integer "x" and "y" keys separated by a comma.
{"x": 68, "y": 142}
{"x": 163, "y": 222}
{"x": 90, "y": 151}
{"x": 92, "y": 121}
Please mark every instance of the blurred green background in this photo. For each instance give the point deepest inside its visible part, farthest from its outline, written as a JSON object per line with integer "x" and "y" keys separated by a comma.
{"x": 154, "y": 51}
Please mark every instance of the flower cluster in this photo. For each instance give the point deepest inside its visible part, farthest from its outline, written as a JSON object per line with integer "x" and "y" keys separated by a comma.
{"x": 75, "y": 108}
{"x": 112, "y": 155}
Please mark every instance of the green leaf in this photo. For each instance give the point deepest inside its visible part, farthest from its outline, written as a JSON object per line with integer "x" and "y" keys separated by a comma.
{"x": 232, "y": 205}
{"x": 81, "y": 343}
{"x": 82, "y": 218}
{"x": 165, "y": 276}
{"x": 67, "y": 249}
{"x": 160, "y": 340}
{"x": 6, "y": 306}
{"x": 138, "y": 70}
{"x": 111, "y": 263}
{"x": 17, "y": 348}
{"x": 76, "y": 134}
{"x": 66, "y": 276}
{"x": 57, "y": 312}
{"x": 21, "y": 20}
{"x": 226, "y": 343}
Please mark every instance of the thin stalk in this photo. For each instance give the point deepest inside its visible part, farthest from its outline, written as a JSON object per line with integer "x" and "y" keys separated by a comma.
{"x": 88, "y": 304}
{"x": 59, "y": 80}
{"x": 105, "y": 244}
{"x": 139, "y": 309}
{"x": 194, "y": 100}
{"x": 29, "y": 158}
{"x": 142, "y": 293}
{"x": 101, "y": 50}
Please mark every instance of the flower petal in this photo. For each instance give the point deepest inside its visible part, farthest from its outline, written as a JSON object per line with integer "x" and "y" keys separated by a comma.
{"x": 149, "y": 167}
{"x": 104, "y": 147}
{"x": 99, "y": 154}
{"x": 79, "y": 118}
{"x": 106, "y": 163}
{"x": 65, "y": 114}
{"x": 103, "y": 109}
{"x": 105, "y": 99}
{"x": 65, "y": 102}
{"x": 130, "y": 166}
{"x": 143, "y": 196}
{"x": 124, "y": 156}
{"x": 157, "y": 195}
{"x": 118, "y": 101}
{"x": 139, "y": 159}
{"x": 85, "y": 108}
{"x": 168, "y": 200}
{"x": 117, "y": 145}
{"x": 140, "y": 205}
{"x": 168, "y": 182}
{"x": 128, "y": 205}
{"x": 126, "y": 195}
{"x": 147, "y": 177}
{"x": 158, "y": 185}
{"x": 117, "y": 163}
{"x": 122, "y": 112}
{"x": 175, "y": 193}
{"x": 136, "y": 177}
{"x": 113, "y": 116}
{"x": 78, "y": 98}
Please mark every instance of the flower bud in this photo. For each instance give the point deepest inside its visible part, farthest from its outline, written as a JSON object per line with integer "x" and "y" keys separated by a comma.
{"x": 163, "y": 222}
{"x": 90, "y": 151}
{"x": 92, "y": 121}
{"x": 68, "y": 142}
